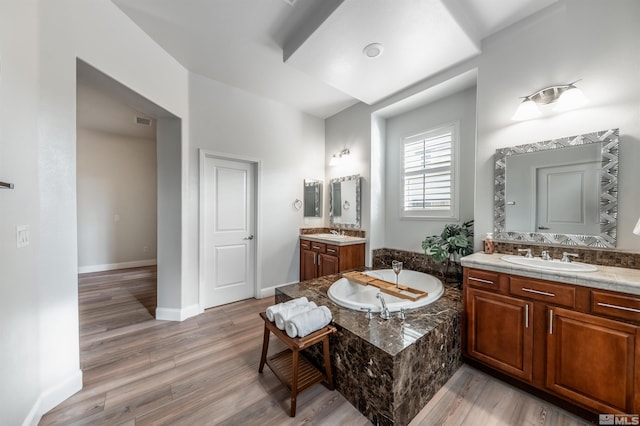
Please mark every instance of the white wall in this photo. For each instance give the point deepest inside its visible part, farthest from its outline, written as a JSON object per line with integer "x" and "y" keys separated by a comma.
{"x": 407, "y": 234}
{"x": 352, "y": 129}
{"x": 19, "y": 315}
{"x": 39, "y": 42}
{"x": 116, "y": 181}
{"x": 591, "y": 40}
{"x": 290, "y": 145}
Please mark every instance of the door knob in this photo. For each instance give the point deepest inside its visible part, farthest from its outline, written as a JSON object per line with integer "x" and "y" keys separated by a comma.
{"x": 250, "y": 237}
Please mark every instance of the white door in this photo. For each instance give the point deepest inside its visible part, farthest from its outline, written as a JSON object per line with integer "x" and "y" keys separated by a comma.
{"x": 567, "y": 198}
{"x": 227, "y": 231}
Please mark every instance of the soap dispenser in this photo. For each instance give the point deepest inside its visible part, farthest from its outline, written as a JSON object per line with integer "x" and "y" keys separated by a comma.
{"x": 488, "y": 244}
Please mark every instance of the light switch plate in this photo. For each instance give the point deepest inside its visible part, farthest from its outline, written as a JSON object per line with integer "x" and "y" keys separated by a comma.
{"x": 22, "y": 236}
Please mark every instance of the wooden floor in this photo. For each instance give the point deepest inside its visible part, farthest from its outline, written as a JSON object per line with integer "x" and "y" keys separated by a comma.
{"x": 203, "y": 371}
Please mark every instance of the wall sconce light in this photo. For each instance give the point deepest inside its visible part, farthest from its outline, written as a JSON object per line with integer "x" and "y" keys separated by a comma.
{"x": 636, "y": 230}
{"x": 567, "y": 96}
{"x": 339, "y": 157}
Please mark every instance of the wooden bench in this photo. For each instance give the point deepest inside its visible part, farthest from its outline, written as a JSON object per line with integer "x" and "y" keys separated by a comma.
{"x": 293, "y": 370}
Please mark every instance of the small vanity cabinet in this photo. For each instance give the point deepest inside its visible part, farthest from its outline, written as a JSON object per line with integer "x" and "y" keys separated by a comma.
{"x": 320, "y": 258}
{"x": 574, "y": 342}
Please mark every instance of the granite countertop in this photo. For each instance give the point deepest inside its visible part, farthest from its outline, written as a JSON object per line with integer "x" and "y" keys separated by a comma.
{"x": 606, "y": 277}
{"x": 393, "y": 335}
{"x": 340, "y": 241}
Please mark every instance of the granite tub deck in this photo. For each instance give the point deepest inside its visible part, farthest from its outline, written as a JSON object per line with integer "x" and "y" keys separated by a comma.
{"x": 388, "y": 370}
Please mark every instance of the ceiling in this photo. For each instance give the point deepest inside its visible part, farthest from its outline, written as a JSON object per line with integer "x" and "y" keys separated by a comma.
{"x": 244, "y": 43}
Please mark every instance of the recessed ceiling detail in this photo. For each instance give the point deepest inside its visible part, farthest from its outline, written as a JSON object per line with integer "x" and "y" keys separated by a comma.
{"x": 243, "y": 43}
{"x": 420, "y": 39}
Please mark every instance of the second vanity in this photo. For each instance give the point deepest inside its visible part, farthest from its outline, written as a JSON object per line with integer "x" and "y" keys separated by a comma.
{"x": 573, "y": 336}
{"x": 326, "y": 254}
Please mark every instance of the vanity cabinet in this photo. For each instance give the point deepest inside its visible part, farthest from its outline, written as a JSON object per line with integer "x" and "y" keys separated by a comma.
{"x": 593, "y": 361}
{"x": 573, "y": 342}
{"x": 499, "y": 332}
{"x": 320, "y": 259}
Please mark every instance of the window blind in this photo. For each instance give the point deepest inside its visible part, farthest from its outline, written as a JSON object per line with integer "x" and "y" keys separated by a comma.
{"x": 428, "y": 171}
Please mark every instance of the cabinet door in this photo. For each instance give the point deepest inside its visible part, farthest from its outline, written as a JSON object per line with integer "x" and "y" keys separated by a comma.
{"x": 500, "y": 332}
{"x": 593, "y": 361}
{"x": 308, "y": 267}
{"x": 328, "y": 264}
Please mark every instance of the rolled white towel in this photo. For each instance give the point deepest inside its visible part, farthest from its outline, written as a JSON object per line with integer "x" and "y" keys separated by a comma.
{"x": 308, "y": 322}
{"x": 271, "y": 310}
{"x": 290, "y": 311}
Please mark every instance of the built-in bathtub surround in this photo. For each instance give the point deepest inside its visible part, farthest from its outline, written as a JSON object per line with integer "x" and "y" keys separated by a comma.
{"x": 350, "y": 232}
{"x": 383, "y": 257}
{"x": 388, "y": 369}
{"x": 604, "y": 257}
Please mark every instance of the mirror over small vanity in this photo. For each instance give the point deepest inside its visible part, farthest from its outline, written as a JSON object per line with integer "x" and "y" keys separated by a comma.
{"x": 312, "y": 198}
{"x": 560, "y": 191}
{"x": 344, "y": 202}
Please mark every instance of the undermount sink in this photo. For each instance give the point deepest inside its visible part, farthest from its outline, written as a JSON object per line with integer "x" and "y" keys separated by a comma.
{"x": 550, "y": 265}
{"x": 330, "y": 236}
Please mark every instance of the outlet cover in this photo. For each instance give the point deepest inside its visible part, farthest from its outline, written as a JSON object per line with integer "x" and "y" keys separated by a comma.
{"x": 22, "y": 236}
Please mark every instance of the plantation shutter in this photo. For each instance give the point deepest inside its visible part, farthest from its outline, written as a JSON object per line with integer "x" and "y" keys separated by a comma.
{"x": 428, "y": 171}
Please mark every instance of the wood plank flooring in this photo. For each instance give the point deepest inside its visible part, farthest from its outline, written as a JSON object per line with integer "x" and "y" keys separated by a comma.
{"x": 204, "y": 371}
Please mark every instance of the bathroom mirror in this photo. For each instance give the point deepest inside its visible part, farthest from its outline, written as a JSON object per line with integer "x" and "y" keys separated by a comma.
{"x": 312, "y": 198}
{"x": 561, "y": 191}
{"x": 344, "y": 202}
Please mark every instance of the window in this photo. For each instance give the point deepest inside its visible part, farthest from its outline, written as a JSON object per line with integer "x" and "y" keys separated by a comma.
{"x": 429, "y": 173}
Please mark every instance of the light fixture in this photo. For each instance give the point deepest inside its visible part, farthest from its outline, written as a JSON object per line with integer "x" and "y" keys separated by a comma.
{"x": 568, "y": 96}
{"x": 527, "y": 110}
{"x": 338, "y": 158}
{"x": 373, "y": 50}
{"x": 636, "y": 230}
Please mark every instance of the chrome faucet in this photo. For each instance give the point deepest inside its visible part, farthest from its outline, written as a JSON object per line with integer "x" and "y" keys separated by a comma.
{"x": 565, "y": 256}
{"x": 334, "y": 232}
{"x": 528, "y": 255}
{"x": 384, "y": 312}
{"x": 545, "y": 255}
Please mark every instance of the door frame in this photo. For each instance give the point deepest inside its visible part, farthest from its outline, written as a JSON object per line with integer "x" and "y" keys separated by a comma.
{"x": 257, "y": 255}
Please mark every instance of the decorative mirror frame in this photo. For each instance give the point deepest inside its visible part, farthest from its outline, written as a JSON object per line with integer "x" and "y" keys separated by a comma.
{"x": 608, "y": 192}
{"x": 358, "y": 208}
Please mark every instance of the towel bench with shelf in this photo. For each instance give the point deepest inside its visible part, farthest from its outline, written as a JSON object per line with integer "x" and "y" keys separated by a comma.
{"x": 292, "y": 369}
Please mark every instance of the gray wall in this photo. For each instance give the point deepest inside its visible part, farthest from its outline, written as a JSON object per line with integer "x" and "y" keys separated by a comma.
{"x": 116, "y": 179}
{"x": 407, "y": 234}
{"x": 591, "y": 40}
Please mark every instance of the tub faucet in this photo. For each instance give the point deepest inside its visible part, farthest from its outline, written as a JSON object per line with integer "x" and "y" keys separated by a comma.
{"x": 384, "y": 312}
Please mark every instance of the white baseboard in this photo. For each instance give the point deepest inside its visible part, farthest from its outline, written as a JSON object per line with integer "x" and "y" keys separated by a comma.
{"x": 174, "y": 314}
{"x": 113, "y": 266}
{"x": 53, "y": 396}
{"x": 271, "y": 291}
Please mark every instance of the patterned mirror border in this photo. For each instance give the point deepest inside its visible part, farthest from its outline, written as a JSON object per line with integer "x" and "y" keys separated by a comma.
{"x": 345, "y": 225}
{"x": 608, "y": 192}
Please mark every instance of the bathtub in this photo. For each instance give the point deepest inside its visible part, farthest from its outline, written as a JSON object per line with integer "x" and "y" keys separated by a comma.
{"x": 359, "y": 297}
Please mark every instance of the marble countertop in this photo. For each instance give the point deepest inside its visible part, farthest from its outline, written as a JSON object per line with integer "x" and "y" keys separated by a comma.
{"x": 606, "y": 277}
{"x": 341, "y": 241}
{"x": 393, "y": 335}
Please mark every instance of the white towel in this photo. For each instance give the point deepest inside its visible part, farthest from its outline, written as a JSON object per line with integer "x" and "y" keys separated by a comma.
{"x": 290, "y": 311}
{"x": 308, "y": 322}
{"x": 271, "y": 310}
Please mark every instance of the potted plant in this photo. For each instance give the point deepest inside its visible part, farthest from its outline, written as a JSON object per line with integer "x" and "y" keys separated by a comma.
{"x": 454, "y": 242}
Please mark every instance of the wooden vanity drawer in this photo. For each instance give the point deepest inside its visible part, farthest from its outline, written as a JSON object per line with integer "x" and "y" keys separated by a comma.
{"x": 318, "y": 247}
{"x": 487, "y": 280}
{"x": 545, "y": 291}
{"x": 626, "y": 307}
{"x": 305, "y": 244}
{"x": 333, "y": 250}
